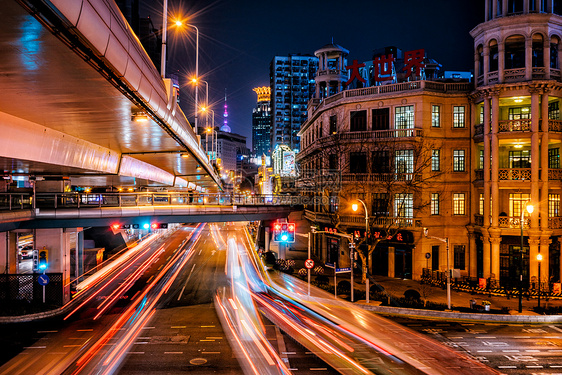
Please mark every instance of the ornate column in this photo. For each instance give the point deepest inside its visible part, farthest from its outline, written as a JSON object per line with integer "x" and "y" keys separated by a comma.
{"x": 476, "y": 66}
{"x": 494, "y": 9}
{"x": 504, "y": 8}
{"x": 528, "y": 58}
{"x": 534, "y": 242}
{"x": 495, "y": 240}
{"x": 543, "y": 209}
{"x": 472, "y": 263}
{"x": 486, "y": 10}
{"x": 487, "y": 167}
{"x": 545, "y": 242}
{"x": 487, "y": 254}
{"x": 501, "y": 61}
{"x": 535, "y": 152}
{"x": 526, "y": 6}
{"x": 486, "y": 62}
{"x": 495, "y": 157}
{"x": 546, "y": 57}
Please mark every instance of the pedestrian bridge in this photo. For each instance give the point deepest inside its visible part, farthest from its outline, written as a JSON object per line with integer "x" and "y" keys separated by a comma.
{"x": 59, "y": 210}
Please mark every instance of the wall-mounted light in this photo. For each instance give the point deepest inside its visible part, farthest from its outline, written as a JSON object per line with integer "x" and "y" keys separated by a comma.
{"x": 139, "y": 116}
{"x": 518, "y": 146}
{"x": 185, "y": 156}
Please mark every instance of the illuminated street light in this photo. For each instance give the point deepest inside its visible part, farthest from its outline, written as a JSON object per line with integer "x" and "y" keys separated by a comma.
{"x": 446, "y": 241}
{"x": 355, "y": 207}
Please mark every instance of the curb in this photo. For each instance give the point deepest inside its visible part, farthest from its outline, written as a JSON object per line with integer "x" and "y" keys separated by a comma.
{"x": 458, "y": 316}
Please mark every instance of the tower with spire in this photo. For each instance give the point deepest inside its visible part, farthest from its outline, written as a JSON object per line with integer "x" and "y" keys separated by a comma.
{"x": 225, "y": 127}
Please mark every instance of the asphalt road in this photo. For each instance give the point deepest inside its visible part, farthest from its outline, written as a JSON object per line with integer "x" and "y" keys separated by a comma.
{"x": 511, "y": 349}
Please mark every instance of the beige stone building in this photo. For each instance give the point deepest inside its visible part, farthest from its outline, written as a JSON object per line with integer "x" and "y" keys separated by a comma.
{"x": 461, "y": 159}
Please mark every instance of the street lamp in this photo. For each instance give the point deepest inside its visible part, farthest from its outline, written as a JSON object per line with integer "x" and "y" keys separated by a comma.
{"x": 539, "y": 258}
{"x": 212, "y": 131}
{"x": 446, "y": 241}
{"x": 529, "y": 207}
{"x": 355, "y": 207}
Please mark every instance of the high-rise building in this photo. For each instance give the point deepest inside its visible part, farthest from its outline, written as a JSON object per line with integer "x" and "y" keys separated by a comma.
{"x": 292, "y": 85}
{"x": 261, "y": 123}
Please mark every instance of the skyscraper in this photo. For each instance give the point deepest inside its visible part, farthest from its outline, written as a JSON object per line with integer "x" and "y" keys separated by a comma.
{"x": 261, "y": 123}
{"x": 292, "y": 85}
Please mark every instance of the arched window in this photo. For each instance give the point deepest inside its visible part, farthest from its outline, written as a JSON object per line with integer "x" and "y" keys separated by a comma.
{"x": 515, "y": 52}
{"x": 554, "y": 45}
{"x": 538, "y": 51}
{"x": 493, "y": 61}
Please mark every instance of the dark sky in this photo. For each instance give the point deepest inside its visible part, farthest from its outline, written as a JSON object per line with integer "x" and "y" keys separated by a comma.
{"x": 238, "y": 39}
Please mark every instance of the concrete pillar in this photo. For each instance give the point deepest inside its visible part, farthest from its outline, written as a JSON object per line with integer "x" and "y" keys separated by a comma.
{"x": 267, "y": 239}
{"x": 504, "y": 8}
{"x": 80, "y": 253}
{"x": 391, "y": 261}
{"x": 495, "y": 158}
{"x": 57, "y": 242}
{"x": 494, "y": 9}
{"x": 476, "y": 66}
{"x": 8, "y": 253}
{"x": 486, "y": 10}
{"x": 528, "y": 58}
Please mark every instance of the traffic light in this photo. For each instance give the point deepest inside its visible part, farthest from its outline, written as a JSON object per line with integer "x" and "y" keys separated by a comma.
{"x": 43, "y": 259}
{"x": 277, "y": 232}
{"x": 159, "y": 225}
{"x": 291, "y": 229}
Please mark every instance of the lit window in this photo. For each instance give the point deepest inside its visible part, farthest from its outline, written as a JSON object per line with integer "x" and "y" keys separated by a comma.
{"x": 435, "y": 116}
{"x": 458, "y": 204}
{"x": 404, "y": 205}
{"x": 435, "y": 203}
{"x": 458, "y": 161}
{"x": 404, "y": 117}
{"x": 435, "y": 162}
{"x": 458, "y": 117}
{"x": 553, "y": 205}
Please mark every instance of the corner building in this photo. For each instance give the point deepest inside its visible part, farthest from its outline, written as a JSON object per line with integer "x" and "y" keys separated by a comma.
{"x": 480, "y": 152}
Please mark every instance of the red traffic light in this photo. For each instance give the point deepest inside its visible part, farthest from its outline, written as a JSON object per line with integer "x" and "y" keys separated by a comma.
{"x": 115, "y": 226}
{"x": 277, "y": 226}
{"x": 291, "y": 227}
{"x": 154, "y": 225}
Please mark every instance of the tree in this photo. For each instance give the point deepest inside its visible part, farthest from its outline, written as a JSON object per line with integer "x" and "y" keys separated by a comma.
{"x": 387, "y": 169}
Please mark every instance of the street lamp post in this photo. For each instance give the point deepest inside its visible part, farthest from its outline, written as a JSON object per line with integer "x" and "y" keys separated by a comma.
{"x": 529, "y": 208}
{"x": 539, "y": 258}
{"x": 446, "y": 241}
{"x": 355, "y": 207}
{"x": 164, "y": 35}
{"x": 196, "y": 79}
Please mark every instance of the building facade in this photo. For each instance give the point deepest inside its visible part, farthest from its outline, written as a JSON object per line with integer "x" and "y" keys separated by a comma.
{"x": 292, "y": 85}
{"x": 461, "y": 159}
{"x": 261, "y": 123}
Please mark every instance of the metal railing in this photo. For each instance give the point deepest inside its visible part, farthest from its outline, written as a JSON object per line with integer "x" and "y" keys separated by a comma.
{"x": 12, "y": 201}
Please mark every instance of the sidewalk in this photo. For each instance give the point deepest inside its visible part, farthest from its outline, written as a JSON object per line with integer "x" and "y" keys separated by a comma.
{"x": 397, "y": 287}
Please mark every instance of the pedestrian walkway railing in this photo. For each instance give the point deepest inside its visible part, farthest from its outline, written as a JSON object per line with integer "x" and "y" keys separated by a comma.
{"x": 489, "y": 286}
{"x": 21, "y": 201}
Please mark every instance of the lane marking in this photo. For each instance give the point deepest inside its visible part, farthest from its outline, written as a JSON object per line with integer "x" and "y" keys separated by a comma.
{"x": 186, "y": 281}
{"x": 556, "y": 328}
{"x": 210, "y": 352}
{"x": 47, "y": 331}
{"x": 148, "y": 327}
{"x": 84, "y": 330}
{"x": 35, "y": 347}
{"x": 173, "y": 352}
{"x": 177, "y": 326}
{"x": 136, "y": 352}
{"x": 214, "y": 338}
{"x": 207, "y": 326}
{"x": 507, "y": 366}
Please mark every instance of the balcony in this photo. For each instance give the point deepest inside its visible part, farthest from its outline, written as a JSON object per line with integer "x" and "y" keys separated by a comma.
{"x": 359, "y": 220}
{"x": 554, "y": 125}
{"x": 514, "y": 75}
{"x": 479, "y": 129}
{"x": 513, "y": 222}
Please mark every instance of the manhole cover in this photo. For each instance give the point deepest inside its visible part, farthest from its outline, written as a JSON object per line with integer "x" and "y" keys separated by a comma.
{"x": 198, "y": 361}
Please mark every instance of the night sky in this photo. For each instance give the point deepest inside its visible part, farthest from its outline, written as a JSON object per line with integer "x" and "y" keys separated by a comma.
{"x": 239, "y": 38}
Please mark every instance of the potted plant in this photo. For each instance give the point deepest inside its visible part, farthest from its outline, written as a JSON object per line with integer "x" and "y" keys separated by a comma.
{"x": 486, "y": 305}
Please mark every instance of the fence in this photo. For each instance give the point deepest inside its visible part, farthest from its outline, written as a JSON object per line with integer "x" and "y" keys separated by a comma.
{"x": 25, "y": 287}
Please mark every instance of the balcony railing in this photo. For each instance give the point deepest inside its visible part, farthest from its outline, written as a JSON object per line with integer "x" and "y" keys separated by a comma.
{"x": 554, "y": 125}
{"x": 555, "y": 222}
{"x": 359, "y": 220}
{"x": 479, "y": 129}
{"x": 515, "y": 125}
{"x": 493, "y": 77}
{"x": 513, "y": 222}
{"x": 555, "y": 174}
{"x": 377, "y": 177}
{"x": 554, "y": 73}
{"x": 15, "y": 201}
{"x": 514, "y": 75}
{"x": 510, "y": 174}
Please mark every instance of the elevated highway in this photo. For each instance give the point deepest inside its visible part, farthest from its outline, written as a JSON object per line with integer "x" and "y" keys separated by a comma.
{"x": 81, "y": 100}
